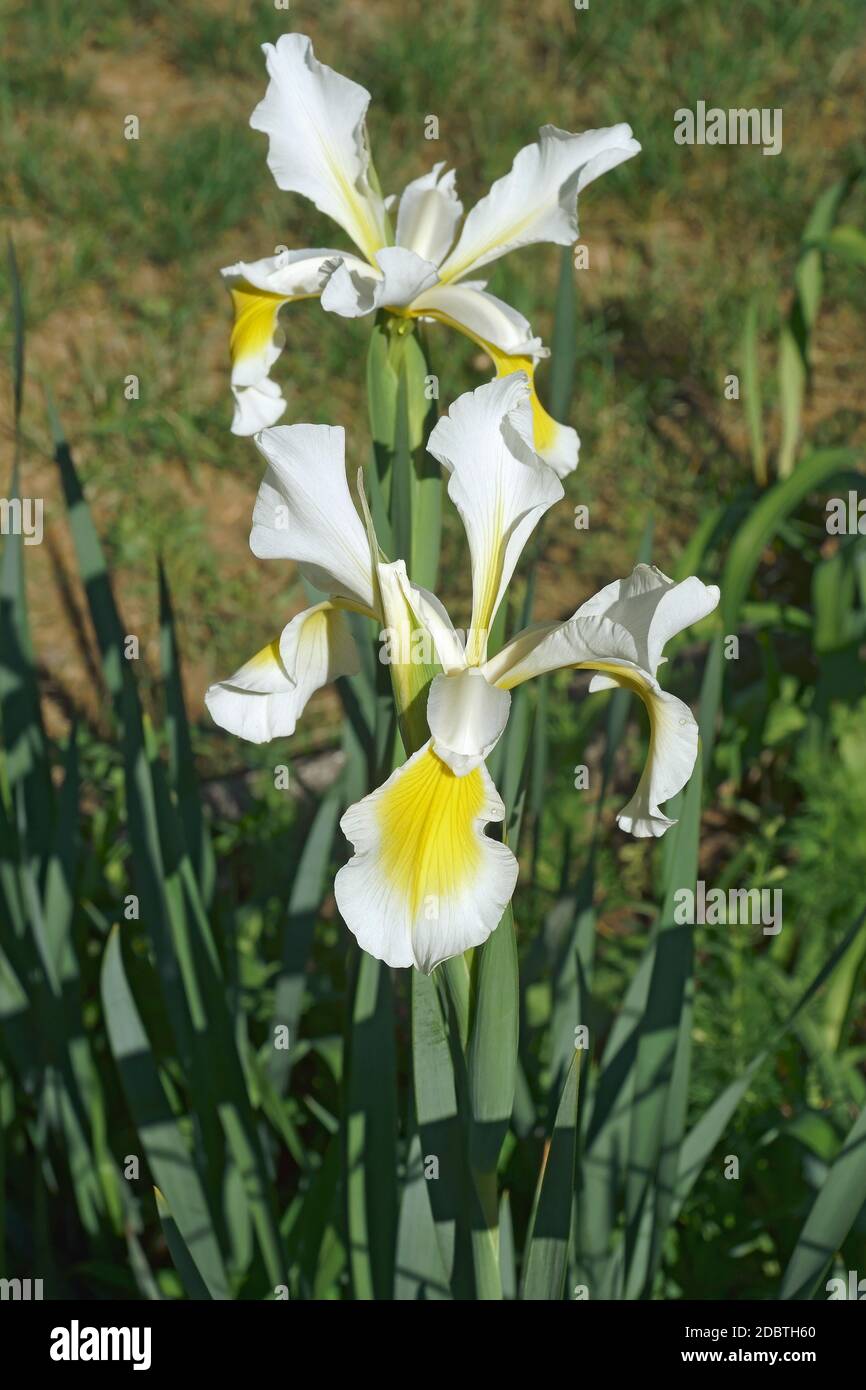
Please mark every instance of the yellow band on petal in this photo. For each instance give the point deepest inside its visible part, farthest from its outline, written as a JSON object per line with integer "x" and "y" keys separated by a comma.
{"x": 544, "y": 427}
{"x": 430, "y": 848}
{"x": 255, "y": 319}
{"x": 268, "y": 656}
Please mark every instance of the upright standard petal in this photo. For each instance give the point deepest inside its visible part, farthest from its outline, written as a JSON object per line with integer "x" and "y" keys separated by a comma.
{"x": 653, "y": 608}
{"x": 421, "y": 611}
{"x": 505, "y": 335}
{"x": 425, "y": 882}
{"x": 499, "y": 485}
{"x": 428, "y": 214}
{"x": 537, "y": 199}
{"x": 317, "y": 143}
{"x": 265, "y": 698}
{"x": 398, "y": 276}
{"x": 259, "y": 289}
{"x": 304, "y": 511}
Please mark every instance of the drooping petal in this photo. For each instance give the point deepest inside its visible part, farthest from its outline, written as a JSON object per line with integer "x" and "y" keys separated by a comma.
{"x": 317, "y": 143}
{"x": 466, "y": 716}
{"x": 653, "y": 608}
{"x": 596, "y": 644}
{"x": 620, "y": 634}
{"x": 259, "y": 289}
{"x": 629, "y": 620}
{"x": 499, "y": 485}
{"x": 673, "y": 749}
{"x": 304, "y": 511}
{"x": 537, "y": 199}
{"x": 399, "y": 276}
{"x": 505, "y": 335}
{"x": 428, "y": 214}
{"x": 425, "y": 883}
{"x": 265, "y": 698}
{"x": 256, "y": 407}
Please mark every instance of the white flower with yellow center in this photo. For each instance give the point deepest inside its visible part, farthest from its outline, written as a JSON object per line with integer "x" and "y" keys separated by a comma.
{"x": 315, "y": 122}
{"x": 425, "y": 881}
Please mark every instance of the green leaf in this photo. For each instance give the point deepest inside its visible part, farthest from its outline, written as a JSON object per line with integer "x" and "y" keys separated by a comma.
{"x": 492, "y": 1055}
{"x": 833, "y": 1213}
{"x": 192, "y": 1281}
{"x": 752, "y": 393}
{"x": 547, "y": 1257}
{"x": 706, "y": 1133}
{"x": 406, "y": 491}
{"x": 792, "y": 386}
{"x": 846, "y": 241}
{"x": 167, "y": 1154}
{"x": 371, "y": 1131}
{"x": 181, "y": 760}
{"x": 442, "y": 1136}
{"x": 664, "y": 1042}
{"x": 305, "y": 897}
{"x": 744, "y": 555}
{"x": 419, "y": 1273}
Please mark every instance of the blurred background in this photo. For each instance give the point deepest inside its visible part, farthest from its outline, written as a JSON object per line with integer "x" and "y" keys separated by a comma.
{"x": 703, "y": 262}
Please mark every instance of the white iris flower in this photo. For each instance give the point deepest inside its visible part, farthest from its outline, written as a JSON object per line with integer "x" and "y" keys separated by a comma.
{"x": 425, "y": 881}
{"x": 315, "y": 122}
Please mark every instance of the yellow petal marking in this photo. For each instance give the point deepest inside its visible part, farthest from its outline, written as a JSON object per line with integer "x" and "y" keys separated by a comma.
{"x": 544, "y": 427}
{"x": 255, "y": 318}
{"x": 430, "y": 847}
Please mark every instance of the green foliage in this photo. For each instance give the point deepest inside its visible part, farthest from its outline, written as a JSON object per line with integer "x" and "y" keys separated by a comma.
{"x": 159, "y": 945}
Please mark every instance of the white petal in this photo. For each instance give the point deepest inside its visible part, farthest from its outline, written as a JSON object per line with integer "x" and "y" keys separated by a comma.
{"x": 673, "y": 749}
{"x": 467, "y": 717}
{"x": 259, "y": 289}
{"x": 317, "y": 145}
{"x": 429, "y": 213}
{"x": 428, "y": 612}
{"x": 580, "y": 641}
{"x": 425, "y": 883}
{"x": 596, "y": 644}
{"x": 256, "y": 407}
{"x": 506, "y": 336}
{"x": 653, "y": 608}
{"x": 304, "y": 510}
{"x": 489, "y": 321}
{"x": 499, "y": 485}
{"x": 537, "y": 199}
{"x": 592, "y": 641}
{"x": 265, "y": 698}
{"x": 354, "y": 290}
